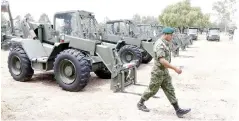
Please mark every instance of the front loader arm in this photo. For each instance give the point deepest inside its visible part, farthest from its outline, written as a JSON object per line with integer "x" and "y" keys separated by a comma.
{"x": 122, "y": 75}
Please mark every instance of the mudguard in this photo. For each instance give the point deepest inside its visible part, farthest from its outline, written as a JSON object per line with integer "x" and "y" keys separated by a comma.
{"x": 148, "y": 46}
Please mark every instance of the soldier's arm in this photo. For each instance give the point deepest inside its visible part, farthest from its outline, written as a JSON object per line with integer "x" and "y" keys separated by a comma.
{"x": 166, "y": 64}
{"x": 161, "y": 56}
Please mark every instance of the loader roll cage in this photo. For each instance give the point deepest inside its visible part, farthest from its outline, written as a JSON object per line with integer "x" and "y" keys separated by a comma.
{"x": 77, "y": 23}
{"x": 146, "y": 29}
{"x": 125, "y": 27}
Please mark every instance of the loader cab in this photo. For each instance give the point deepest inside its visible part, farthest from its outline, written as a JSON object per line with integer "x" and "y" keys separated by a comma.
{"x": 124, "y": 28}
{"x": 78, "y": 23}
{"x": 157, "y": 30}
{"x": 63, "y": 23}
{"x": 146, "y": 30}
{"x": 120, "y": 29}
{"x": 117, "y": 28}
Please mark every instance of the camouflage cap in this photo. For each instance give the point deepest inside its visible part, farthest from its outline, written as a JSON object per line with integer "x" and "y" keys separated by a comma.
{"x": 168, "y": 30}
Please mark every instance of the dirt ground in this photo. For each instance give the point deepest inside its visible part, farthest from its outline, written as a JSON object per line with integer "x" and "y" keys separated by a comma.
{"x": 207, "y": 85}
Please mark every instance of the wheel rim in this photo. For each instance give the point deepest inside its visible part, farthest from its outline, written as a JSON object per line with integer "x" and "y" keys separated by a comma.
{"x": 16, "y": 65}
{"x": 67, "y": 71}
{"x": 127, "y": 56}
{"x": 106, "y": 70}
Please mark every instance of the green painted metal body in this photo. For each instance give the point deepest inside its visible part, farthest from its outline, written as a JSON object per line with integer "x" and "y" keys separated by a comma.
{"x": 126, "y": 30}
{"x": 43, "y": 42}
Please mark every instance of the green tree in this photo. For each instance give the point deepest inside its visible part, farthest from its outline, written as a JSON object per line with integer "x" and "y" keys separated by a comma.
{"x": 183, "y": 15}
{"x": 225, "y": 10}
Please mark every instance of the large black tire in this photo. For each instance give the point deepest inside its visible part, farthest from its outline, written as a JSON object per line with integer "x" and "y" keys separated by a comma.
{"x": 19, "y": 65}
{"x": 146, "y": 57}
{"x": 80, "y": 68}
{"x": 131, "y": 51}
{"x": 103, "y": 73}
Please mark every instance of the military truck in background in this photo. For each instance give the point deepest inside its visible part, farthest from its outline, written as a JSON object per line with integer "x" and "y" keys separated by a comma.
{"x": 193, "y": 33}
{"x": 213, "y": 34}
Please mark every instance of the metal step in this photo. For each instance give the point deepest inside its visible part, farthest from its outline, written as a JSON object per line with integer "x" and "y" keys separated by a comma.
{"x": 40, "y": 60}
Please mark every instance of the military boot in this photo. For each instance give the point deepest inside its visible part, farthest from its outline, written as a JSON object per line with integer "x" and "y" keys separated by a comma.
{"x": 141, "y": 105}
{"x": 180, "y": 112}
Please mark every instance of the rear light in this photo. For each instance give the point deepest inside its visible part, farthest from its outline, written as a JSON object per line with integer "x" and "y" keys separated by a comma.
{"x": 62, "y": 38}
{"x": 130, "y": 66}
{"x": 62, "y": 41}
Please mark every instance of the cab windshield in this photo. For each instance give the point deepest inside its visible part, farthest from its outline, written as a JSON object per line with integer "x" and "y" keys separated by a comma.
{"x": 214, "y": 32}
{"x": 76, "y": 25}
{"x": 144, "y": 28}
{"x": 192, "y": 31}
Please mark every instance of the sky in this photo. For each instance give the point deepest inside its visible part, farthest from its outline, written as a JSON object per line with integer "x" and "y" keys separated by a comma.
{"x": 113, "y": 9}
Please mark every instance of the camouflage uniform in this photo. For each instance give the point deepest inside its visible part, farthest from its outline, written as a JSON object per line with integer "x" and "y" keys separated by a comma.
{"x": 160, "y": 75}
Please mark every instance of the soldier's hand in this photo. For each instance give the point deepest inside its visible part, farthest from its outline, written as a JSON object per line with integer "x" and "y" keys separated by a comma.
{"x": 178, "y": 70}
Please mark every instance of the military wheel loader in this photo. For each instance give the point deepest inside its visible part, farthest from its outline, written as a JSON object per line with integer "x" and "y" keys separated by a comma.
{"x": 137, "y": 47}
{"x": 72, "y": 58}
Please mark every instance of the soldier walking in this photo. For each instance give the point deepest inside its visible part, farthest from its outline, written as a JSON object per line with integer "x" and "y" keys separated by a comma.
{"x": 231, "y": 33}
{"x": 160, "y": 75}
